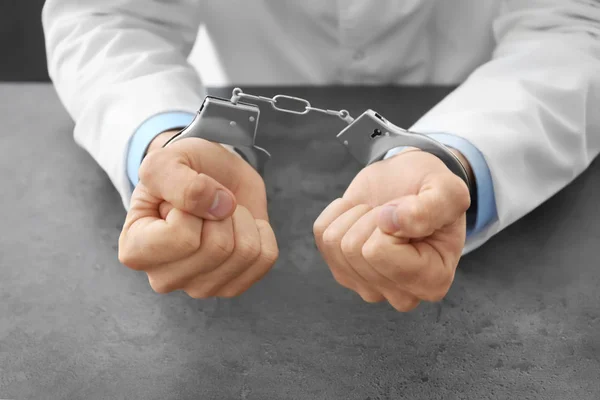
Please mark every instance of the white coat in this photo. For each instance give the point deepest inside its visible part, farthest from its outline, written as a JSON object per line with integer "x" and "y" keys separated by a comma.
{"x": 529, "y": 71}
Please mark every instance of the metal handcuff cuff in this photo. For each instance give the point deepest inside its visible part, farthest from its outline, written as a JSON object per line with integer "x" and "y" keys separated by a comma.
{"x": 368, "y": 137}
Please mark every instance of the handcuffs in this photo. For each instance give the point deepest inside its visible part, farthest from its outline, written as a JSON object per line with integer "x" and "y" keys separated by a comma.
{"x": 368, "y": 137}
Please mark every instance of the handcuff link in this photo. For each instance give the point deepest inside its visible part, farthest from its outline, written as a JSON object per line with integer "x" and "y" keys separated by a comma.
{"x": 368, "y": 138}
{"x": 238, "y": 94}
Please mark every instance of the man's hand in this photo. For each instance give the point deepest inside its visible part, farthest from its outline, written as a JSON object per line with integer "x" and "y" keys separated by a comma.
{"x": 198, "y": 221}
{"x": 398, "y": 232}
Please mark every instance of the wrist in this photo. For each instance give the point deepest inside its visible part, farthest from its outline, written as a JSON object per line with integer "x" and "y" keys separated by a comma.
{"x": 483, "y": 204}
{"x": 159, "y": 141}
{"x": 463, "y": 160}
{"x": 472, "y": 212}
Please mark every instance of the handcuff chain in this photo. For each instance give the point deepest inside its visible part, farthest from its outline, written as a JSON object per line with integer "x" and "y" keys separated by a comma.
{"x": 239, "y": 94}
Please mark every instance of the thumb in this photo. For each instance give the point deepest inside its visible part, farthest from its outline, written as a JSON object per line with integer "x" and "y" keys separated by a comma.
{"x": 171, "y": 179}
{"x": 437, "y": 204}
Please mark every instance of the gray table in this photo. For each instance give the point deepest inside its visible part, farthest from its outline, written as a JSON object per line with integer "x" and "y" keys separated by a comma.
{"x": 522, "y": 320}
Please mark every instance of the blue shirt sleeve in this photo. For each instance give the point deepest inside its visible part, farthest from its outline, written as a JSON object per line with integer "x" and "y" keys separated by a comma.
{"x": 483, "y": 211}
{"x": 149, "y": 129}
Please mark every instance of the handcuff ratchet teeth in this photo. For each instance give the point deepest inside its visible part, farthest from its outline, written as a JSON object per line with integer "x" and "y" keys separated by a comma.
{"x": 368, "y": 138}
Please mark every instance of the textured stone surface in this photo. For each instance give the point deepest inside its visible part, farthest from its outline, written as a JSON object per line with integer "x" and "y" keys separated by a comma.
{"x": 520, "y": 322}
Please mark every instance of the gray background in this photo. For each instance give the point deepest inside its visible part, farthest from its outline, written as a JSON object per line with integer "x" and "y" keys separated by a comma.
{"x": 520, "y": 322}
{"x": 22, "y": 53}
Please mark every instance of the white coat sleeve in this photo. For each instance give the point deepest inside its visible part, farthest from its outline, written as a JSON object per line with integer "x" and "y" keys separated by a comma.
{"x": 533, "y": 110}
{"x": 116, "y": 63}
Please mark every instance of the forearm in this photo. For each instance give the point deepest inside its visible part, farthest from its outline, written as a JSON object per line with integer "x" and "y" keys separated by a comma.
{"x": 116, "y": 64}
{"x": 531, "y": 110}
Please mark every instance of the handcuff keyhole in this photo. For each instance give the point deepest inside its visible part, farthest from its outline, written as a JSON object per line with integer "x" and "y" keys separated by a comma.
{"x": 376, "y": 133}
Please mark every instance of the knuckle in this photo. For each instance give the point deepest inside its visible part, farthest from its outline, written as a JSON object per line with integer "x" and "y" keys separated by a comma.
{"x": 270, "y": 256}
{"x": 220, "y": 246}
{"x": 344, "y": 282}
{"x": 229, "y": 293}
{"x": 210, "y": 289}
{"x": 128, "y": 258}
{"x": 372, "y": 251}
{"x": 319, "y": 229}
{"x": 197, "y": 293}
{"x": 434, "y": 296}
{"x": 406, "y": 306}
{"x": 150, "y": 163}
{"x": 128, "y": 261}
{"x": 375, "y": 279}
{"x": 419, "y": 217}
{"x": 247, "y": 250}
{"x": 160, "y": 286}
{"x": 443, "y": 289}
{"x": 407, "y": 275}
{"x": 402, "y": 301}
{"x": 332, "y": 237}
{"x": 124, "y": 256}
{"x": 201, "y": 287}
{"x": 351, "y": 247}
{"x": 193, "y": 191}
{"x": 369, "y": 296}
{"x": 341, "y": 278}
{"x": 189, "y": 243}
{"x": 437, "y": 286}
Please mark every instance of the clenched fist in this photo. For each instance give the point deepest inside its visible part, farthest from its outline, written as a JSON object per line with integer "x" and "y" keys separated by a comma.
{"x": 398, "y": 232}
{"x": 198, "y": 222}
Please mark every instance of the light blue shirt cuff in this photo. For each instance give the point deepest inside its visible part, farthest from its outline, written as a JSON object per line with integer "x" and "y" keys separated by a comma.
{"x": 485, "y": 210}
{"x": 149, "y": 129}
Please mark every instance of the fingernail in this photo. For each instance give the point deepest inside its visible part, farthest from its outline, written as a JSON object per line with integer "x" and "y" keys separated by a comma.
{"x": 389, "y": 218}
{"x": 222, "y": 204}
